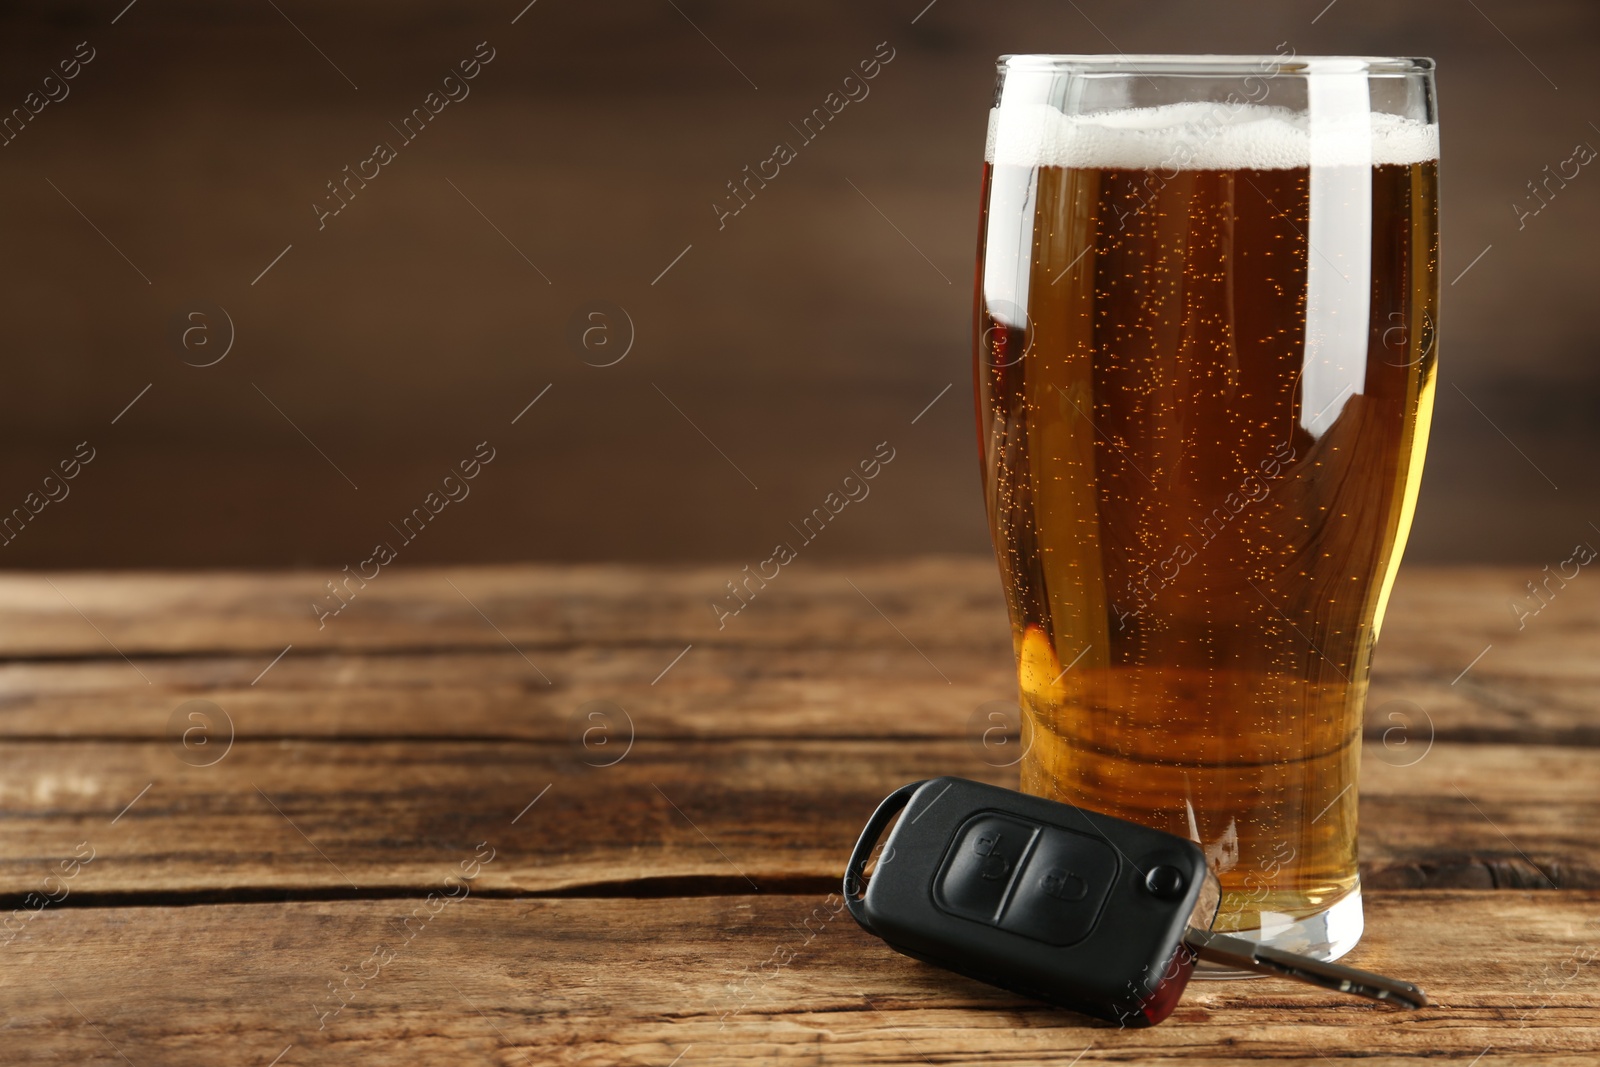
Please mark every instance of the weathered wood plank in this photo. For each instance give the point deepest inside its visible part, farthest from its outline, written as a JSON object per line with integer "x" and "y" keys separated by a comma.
{"x": 531, "y": 605}
{"x": 735, "y": 980}
{"x": 368, "y": 816}
{"x": 708, "y": 692}
{"x": 1438, "y": 620}
{"x": 711, "y": 691}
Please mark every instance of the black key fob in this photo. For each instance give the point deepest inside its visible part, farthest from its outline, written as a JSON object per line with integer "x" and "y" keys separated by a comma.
{"x": 1069, "y": 906}
{"x": 1051, "y": 901}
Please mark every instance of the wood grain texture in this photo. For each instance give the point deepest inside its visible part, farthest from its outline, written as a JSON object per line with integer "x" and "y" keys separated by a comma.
{"x": 1438, "y": 618}
{"x": 493, "y": 652}
{"x": 648, "y": 863}
{"x": 937, "y": 601}
{"x": 644, "y": 981}
{"x": 712, "y": 691}
{"x": 382, "y": 816}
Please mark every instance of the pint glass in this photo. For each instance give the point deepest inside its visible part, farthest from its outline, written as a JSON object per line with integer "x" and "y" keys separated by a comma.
{"x": 1204, "y": 367}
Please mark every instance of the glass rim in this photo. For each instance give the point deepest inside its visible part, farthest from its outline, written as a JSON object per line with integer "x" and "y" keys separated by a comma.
{"x": 1213, "y": 65}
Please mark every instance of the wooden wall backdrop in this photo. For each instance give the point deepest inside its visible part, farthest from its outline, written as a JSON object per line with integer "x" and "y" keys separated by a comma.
{"x": 185, "y": 157}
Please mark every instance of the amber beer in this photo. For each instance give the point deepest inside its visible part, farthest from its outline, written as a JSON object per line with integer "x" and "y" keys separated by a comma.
{"x": 1204, "y": 375}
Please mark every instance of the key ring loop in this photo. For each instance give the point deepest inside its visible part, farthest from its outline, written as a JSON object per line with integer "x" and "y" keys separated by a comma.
{"x": 855, "y": 874}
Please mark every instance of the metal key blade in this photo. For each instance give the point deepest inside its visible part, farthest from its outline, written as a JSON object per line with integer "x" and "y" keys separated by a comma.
{"x": 1247, "y": 955}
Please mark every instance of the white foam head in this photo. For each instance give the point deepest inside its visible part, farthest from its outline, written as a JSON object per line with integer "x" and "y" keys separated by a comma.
{"x": 1204, "y": 136}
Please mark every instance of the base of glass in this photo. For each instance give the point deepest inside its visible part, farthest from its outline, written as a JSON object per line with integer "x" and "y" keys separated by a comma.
{"x": 1327, "y": 935}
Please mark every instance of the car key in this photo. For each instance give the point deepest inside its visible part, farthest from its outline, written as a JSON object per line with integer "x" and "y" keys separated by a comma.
{"x": 1080, "y": 909}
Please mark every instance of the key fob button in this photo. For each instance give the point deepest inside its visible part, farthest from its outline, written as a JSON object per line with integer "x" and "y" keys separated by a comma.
{"x": 1061, "y": 891}
{"x": 1166, "y": 883}
{"x": 981, "y": 863}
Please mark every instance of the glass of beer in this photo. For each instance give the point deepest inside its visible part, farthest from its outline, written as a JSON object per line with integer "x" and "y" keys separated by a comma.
{"x": 1204, "y": 366}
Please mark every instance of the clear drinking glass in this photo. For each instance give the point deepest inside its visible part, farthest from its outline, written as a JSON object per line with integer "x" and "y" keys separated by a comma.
{"x": 1204, "y": 365}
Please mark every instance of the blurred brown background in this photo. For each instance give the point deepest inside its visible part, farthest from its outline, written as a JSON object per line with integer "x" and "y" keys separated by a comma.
{"x": 775, "y": 353}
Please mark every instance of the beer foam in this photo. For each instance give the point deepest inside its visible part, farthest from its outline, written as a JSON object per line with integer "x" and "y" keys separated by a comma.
{"x": 1203, "y": 136}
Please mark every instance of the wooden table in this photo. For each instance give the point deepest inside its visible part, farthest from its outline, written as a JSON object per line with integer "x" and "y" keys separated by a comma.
{"x": 655, "y": 811}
